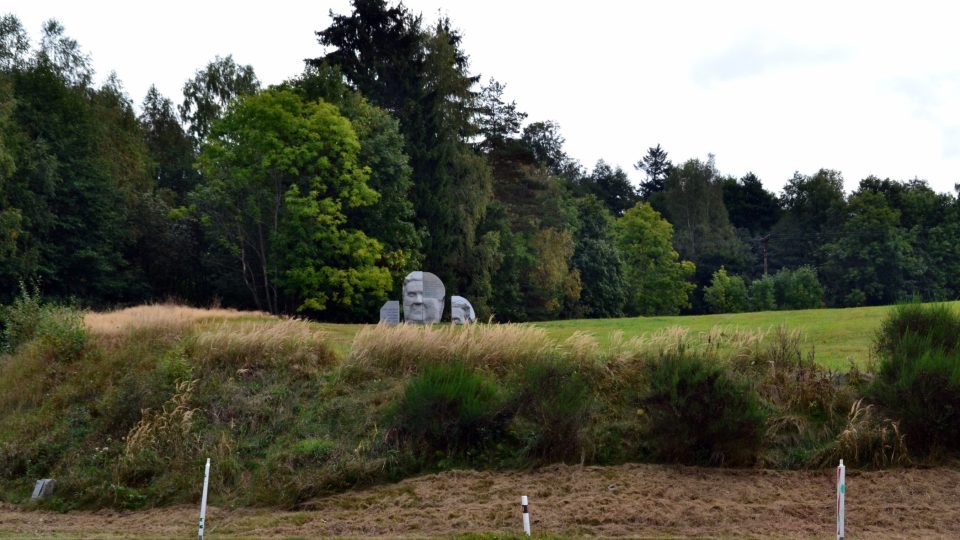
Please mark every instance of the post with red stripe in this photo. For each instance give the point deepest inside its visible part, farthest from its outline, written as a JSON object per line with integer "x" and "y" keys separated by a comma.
{"x": 841, "y": 494}
{"x": 526, "y": 514}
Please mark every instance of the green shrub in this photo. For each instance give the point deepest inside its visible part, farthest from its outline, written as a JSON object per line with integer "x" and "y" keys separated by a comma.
{"x": 919, "y": 379}
{"x": 915, "y": 328}
{"x": 925, "y": 396}
{"x": 448, "y": 412}
{"x": 762, "y": 295}
{"x": 553, "y": 404}
{"x": 60, "y": 328}
{"x": 798, "y": 289}
{"x": 700, "y": 413}
{"x": 20, "y": 319}
{"x": 726, "y": 293}
{"x": 855, "y": 298}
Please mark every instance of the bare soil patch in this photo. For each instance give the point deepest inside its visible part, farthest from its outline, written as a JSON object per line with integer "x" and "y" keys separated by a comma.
{"x": 648, "y": 501}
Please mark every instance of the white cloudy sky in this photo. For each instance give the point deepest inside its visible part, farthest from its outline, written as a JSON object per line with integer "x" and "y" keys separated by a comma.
{"x": 769, "y": 87}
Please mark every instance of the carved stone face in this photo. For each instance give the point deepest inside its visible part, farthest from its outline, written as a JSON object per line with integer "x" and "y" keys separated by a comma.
{"x": 413, "y": 307}
{"x": 423, "y": 295}
{"x": 461, "y": 311}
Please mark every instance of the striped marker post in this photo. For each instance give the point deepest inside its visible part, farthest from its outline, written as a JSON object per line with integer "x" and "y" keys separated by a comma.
{"x": 526, "y": 514}
{"x": 203, "y": 500}
{"x": 841, "y": 495}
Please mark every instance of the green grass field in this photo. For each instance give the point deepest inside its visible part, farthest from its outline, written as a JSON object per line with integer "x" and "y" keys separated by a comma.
{"x": 836, "y": 337}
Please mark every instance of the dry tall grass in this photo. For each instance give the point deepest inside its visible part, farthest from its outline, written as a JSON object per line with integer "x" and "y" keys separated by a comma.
{"x": 167, "y": 431}
{"x": 868, "y": 439}
{"x": 160, "y": 317}
{"x": 721, "y": 343}
{"x": 256, "y": 345}
{"x": 404, "y": 348}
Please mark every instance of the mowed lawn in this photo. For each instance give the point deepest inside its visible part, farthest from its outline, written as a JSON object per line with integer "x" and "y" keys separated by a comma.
{"x": 836, "y": 337}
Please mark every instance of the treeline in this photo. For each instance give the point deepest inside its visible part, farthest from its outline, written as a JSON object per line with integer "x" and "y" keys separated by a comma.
{"x": 387, "y": 155}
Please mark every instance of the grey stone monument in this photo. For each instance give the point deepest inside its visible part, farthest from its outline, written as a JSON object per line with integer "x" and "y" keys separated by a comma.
{"x": 461, "y": 310}
{"x": 43, "y": 488}
{"x": 423, "y": 298}
{"x": 390, "y": 312}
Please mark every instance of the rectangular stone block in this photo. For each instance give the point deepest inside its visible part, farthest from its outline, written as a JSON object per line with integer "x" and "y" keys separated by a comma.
{"x": 390, "y": 312}
{"x": 43, "y": 488}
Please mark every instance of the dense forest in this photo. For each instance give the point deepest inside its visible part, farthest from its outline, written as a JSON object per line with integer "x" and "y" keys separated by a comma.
{"x": 316, "y": 196}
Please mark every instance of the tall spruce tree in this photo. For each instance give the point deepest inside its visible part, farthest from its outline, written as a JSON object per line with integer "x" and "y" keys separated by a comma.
{"x": 657, "y": 166}
{"x": 421, "y": 76}
{"x": 750, "y": 206}
{"x": 497, "y": 120}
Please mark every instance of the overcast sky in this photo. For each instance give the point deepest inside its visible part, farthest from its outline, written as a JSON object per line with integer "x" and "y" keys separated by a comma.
{"x": 768, "y": 87}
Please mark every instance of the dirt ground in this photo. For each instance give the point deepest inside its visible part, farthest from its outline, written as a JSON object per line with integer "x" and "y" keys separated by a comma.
{"x": 647, "y": 501}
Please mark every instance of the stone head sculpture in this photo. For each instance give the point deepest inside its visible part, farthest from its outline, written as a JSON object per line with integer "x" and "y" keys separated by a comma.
{"x": 423, "y": 298}
{"x": 461, "y": 310}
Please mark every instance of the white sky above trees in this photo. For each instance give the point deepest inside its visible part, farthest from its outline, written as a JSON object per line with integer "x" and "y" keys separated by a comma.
{"x": 768, "y": 87}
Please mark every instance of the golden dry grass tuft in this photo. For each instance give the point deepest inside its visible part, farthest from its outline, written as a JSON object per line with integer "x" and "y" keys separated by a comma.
{"x": 170, "y": 318}
{"x": 167, "y": 431}
{"x": 581, "y": 348}
{"x": 404, "y": 348}
{"x": 256, "y": 345}
{"x": 868, "y": 439}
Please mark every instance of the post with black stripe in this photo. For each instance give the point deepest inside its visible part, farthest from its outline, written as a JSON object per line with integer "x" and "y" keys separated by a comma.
{"x": 526, "y": 514}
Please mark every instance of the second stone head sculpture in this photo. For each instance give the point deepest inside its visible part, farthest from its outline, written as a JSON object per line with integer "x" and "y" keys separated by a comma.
{"x": 461, "y": 310}
{"x": 423, "y": 298}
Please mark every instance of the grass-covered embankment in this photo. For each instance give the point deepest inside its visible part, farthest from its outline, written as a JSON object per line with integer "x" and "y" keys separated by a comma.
{"x": 122, "y": 408}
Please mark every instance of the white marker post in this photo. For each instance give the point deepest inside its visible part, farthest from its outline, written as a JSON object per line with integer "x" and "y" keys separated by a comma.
{"x": 203, "y": 500}
{"x": 841, "y": 494}
{"x": 526, "y": 514}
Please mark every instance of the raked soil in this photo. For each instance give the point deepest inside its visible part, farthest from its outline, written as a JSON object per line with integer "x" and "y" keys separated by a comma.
{"x": 646, "y": 501}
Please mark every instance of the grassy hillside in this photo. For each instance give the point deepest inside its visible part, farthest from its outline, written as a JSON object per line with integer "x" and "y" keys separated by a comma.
{"x": 122, "y": 408}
